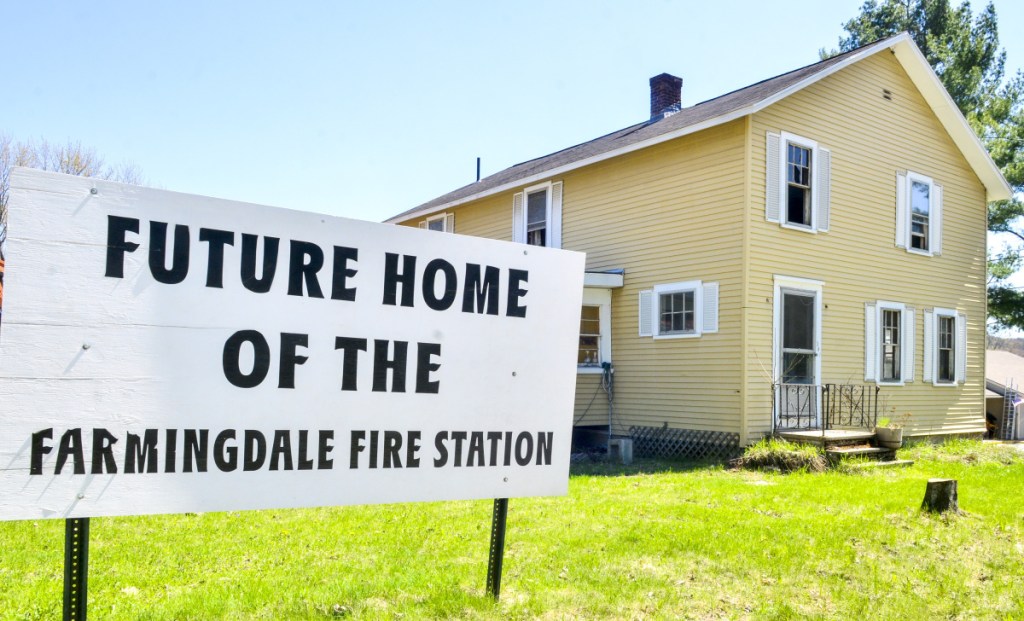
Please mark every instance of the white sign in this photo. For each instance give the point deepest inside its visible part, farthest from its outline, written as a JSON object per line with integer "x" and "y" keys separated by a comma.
{"x": 163, "y": 352}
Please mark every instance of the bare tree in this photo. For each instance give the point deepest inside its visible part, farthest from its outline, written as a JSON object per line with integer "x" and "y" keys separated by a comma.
{"x": 69, "y": 158}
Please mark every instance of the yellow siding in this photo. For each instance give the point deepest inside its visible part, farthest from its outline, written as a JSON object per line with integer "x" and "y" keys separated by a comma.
{"x": 675, "y": 212}
{"x": 665, "y": 214}
{"x": 870, "y": 139}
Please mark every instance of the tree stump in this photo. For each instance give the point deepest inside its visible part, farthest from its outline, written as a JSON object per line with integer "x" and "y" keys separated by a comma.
{"x": 940, "y": 496}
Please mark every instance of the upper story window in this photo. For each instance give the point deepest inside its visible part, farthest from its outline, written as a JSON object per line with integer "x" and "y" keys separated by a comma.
{"x": 918, "y": 214}
{"x": 537, "y": 215}
{"x": 798, "y": 184}
{"x": 444, "y": 222}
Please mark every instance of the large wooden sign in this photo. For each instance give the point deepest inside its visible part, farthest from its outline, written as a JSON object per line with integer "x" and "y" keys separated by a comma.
{"x": 162, "y": 352}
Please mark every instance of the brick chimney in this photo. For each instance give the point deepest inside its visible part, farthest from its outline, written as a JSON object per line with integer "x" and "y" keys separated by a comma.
{"x": 666, "y": 95}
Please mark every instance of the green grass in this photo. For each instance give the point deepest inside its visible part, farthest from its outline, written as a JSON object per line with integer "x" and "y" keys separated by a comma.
{"x": 653, "y": 540}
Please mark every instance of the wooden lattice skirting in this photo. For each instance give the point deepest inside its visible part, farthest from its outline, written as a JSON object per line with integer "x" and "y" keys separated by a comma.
{"x": 684, "y": 443}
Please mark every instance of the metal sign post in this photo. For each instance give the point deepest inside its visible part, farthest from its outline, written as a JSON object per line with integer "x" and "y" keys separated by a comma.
{"x": 76, "y": 568}
{"x": 497, "y": 555}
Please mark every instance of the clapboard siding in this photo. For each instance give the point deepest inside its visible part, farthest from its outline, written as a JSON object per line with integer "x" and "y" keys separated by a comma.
{"x": 871, "y": 138}
{"x": 666, "y": 214}
{"x": 693, "y": 208}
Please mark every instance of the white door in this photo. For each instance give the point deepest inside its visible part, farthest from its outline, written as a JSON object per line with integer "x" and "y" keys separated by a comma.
{"x": 797, "y": 355}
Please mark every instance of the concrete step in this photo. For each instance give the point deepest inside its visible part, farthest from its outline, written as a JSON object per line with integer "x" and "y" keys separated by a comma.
{"x": 830, "y": 438}
{"x": 847, "y": 451}
{"x": 896, "y": 463}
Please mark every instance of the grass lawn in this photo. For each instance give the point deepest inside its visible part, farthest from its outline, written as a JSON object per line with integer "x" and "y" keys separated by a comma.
{"x": 655, "y": 540}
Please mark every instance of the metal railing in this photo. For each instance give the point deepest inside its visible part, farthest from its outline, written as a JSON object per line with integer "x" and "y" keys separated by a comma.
{"x": 825, "y": 406}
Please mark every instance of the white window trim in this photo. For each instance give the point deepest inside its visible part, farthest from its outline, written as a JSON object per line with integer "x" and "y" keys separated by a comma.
{"x": 882, "y": 305}
{"x": 446, "y": 220}
{"x": 553, "y": 194}
{"x": 801, "y": 285}
{"x": 698, "y": 304}
{"x": 958, "y": 351}
{"x": 909, "y": 215}
{"x": 602, "y": 298}
{"x": 785, "y": 139}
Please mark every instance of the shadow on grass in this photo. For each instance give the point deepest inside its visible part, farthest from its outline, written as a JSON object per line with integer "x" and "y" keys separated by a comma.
{"x": 602, "y": 467}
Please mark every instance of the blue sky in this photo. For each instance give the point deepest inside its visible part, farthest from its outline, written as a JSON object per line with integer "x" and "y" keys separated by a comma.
{"x": 365, "y": 109}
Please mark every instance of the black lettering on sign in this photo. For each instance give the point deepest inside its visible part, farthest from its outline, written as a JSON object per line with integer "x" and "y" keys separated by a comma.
{"x": 282, "y": 450}
{"x": 342, "y": 272}
{"x": 393, "y": 278}
{"x": 424, "y": 367}
{"x": 305, "y": 462}
{"x": 143, "y": 451}
{"x": 304, "y": 261}
{"x": 516, "y": 292}
{"x": 325, "y": 447}
{"x": 215, "y": 255}
{"x": 261, "y": 359}
{"x": 289, "y": 358}
{"x": 269, "y": 267}
{"x": 196, "y": 449}
{"x": 481, "y": 295}
{"x": 39, "y": 449}
{"x": 226, "y": 457}
{"x": 350, "y": 359}
{"x": 255, "y": 450}
{"x": 158, "y": 253}
{"x": 103, "y": 451}
{"x": 382, "y": 365}
{"x": 117, "y": 245}
{"x": 170, "y": 449}
{"x": 71, "y": 446}
{"x": 442, "y": 449}
{"x": 449, "y": 285}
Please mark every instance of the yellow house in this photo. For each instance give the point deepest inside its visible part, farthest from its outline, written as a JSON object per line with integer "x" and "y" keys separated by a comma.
{"x": 805, "y": 252}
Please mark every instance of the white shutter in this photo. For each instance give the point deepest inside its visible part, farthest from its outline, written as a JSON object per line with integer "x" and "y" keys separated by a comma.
{"x": 646, "y": 313}
{"x": 928, "y": 373}
{"x": 424, "y": 225}
{"x": 907, "y": 345}
{"x": 936, "y": 223}
{"x": 518, "y": 219}
{"x": 555, "y": 237}
{"x": 823, "y": 179}
{"x": 870, "y": 343}
{"x": 710, "y": 303}
{"x": 961, "y": 348}
{"x": 449, "y": 223}
{"x": 901, "y": 210}
{"x": 773, "y": 181}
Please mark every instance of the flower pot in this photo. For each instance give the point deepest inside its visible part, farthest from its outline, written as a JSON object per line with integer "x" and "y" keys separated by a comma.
{"x": 888, "y": 437}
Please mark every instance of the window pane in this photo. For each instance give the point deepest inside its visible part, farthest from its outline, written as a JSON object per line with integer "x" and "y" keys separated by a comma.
{"x": 797, "y": 321}
{"x": 798, "y": 189}
{"x": 590, "y": 336}
{"x": 891, "y": 345}
{"x": 676, "y": 313}
{"x": 436, "y": 225}
{"x": 946, "y": 357}
{"x": 797, "y": 368}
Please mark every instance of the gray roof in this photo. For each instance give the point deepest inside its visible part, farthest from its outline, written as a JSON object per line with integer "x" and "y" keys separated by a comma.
{"x": 727, "y": 107}
{"x": 641, "y": 132}
{"x": 1002, "y": 367}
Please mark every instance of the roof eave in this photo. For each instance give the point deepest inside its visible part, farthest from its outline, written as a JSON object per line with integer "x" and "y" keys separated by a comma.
{"x": 907, "y": 54}
{"x": 928, "y": 83}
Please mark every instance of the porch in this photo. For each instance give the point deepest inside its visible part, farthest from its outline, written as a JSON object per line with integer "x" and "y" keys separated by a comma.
{"x": 836, "y": 410}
